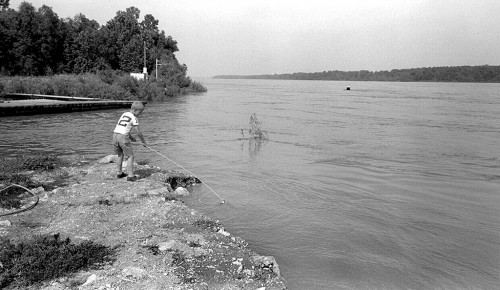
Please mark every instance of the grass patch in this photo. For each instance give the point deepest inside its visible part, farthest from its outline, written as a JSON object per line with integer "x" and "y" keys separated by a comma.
{"x": 19, "y": 170}
{"x": 48, "y": 257}
{"x": 26, "y": 162}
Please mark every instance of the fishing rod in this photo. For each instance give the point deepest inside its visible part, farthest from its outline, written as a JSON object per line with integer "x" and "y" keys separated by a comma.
{"x": 222, "y": 201}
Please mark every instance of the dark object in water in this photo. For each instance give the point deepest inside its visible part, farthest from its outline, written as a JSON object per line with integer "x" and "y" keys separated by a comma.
{"x": 348, "y": 88}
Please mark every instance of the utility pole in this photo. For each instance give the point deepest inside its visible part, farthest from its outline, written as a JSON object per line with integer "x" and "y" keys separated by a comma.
{"x": 156, "y": 67}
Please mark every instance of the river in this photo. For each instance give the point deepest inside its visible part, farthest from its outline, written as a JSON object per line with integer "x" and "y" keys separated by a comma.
{"x": 385, "y": 186}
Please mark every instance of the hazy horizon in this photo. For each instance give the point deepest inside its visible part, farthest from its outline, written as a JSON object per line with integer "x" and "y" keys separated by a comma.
{"x": 224, "y": 37}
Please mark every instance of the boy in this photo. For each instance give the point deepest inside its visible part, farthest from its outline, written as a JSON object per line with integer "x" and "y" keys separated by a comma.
{"x": 122, "y": 137}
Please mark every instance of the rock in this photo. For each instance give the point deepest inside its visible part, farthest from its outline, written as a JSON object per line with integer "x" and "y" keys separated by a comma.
{"x": 224, "y": 233}
{"x": 249, "y": 273}
{"x": 90, "y": 280}
{"x": 158, "y": 176}
{"x": 45, "y": 197}
{"x": 267, "y": 262}
{"x": 158, "y": 191}
{"x": 108, "y": 159}
{"x": 38, "y": 190}
{"x": 196, "y": 239}
{"x": 5, "y": 223}
{"x": 238, "y": 263}
{"x": 181, "y": 191}
{"x": 168, "y": 245}
{"x": 59, "y": 190}
{"x": 134, "y": 272}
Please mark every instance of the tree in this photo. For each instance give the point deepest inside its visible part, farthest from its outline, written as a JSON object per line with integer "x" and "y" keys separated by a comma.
{"x": 119, "y": 31}
{"x": 50, "y": 40}
{"x": 4, "y": 4}
{"x": 8, "y": 35}
{"x": 24, "y": 49}
{"x": 85, "y": 46}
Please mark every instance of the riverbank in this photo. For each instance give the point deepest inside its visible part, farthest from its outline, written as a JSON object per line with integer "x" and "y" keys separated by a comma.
{"x": 160, "y": 243}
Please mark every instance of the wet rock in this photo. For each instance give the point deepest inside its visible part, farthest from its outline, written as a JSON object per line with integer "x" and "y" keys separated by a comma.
{"x": 266, "y": 262}
{"x": 177, "y": 179}
{"x": 181, "y": 191}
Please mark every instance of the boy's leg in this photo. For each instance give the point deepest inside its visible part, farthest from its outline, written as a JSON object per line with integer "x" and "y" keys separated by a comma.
{"x": 118, "y": 144}
{"x": 119, "y": 162}
{"x": 130, "y": 165}
{"x": 129, "y": 152}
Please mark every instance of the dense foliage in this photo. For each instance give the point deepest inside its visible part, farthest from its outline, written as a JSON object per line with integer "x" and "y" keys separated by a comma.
{"x": 47, "y": 257}
{"x": 107, "y": 84}
{"x": 36, "y": 42}
{"x": 486, "y": 73}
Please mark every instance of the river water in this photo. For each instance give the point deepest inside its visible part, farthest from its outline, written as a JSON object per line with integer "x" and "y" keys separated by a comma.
{"x": 385, "y": 186}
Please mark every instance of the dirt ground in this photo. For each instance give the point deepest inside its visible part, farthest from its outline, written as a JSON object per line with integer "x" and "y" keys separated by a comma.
{"x": 161, "y": 243}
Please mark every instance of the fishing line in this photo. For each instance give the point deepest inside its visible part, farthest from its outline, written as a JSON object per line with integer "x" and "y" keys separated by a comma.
{"x": 222, "y": 200}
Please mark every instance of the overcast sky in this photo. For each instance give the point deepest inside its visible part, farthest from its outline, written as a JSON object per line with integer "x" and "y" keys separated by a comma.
{"x": 277, "y": 36}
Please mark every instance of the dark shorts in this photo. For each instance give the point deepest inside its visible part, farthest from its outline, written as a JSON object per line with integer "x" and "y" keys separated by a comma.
{"x": 122, "y": 145}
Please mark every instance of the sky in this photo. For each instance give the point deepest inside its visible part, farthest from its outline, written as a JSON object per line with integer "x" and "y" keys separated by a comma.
{"x": 243, "y": 37}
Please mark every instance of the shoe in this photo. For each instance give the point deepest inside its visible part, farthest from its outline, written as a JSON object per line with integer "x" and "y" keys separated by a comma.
{"x": 131, "y": 178}
{"x": 121, "y": 175}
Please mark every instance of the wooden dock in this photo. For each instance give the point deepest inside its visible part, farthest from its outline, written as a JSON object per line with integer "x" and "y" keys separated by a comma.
{"x": 32, "y": 104}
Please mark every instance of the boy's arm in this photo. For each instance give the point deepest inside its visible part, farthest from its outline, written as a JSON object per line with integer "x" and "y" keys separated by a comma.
{"x": 139, "y": 133}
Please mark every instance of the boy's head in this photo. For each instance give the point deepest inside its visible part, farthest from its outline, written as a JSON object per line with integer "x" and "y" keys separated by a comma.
{"x": 137, "y": 108}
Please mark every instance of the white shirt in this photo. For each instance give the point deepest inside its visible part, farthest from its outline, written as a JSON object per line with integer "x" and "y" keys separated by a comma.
{"x": 125, "y": 123}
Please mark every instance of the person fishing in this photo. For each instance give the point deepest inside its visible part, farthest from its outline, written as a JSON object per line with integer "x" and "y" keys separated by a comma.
{"x": 122, "y": 139}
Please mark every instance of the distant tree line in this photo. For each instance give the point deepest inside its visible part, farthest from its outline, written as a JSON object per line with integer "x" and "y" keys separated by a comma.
{"x": 36, "y": 42}
{"x": 484, "y": 73}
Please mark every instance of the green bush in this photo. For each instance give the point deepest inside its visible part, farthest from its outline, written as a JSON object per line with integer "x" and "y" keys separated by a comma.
{"x": 106, "y": 84}
{"x": 129, "y": 84}
{"x": 48, "y": 257}
{"x": 64, "y": 85}
{"x": 151, "y": 91}
{"x": 197, "y": 87}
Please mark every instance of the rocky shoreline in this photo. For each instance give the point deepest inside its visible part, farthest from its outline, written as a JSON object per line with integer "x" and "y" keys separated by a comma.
{"x": 160, "y": 242}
